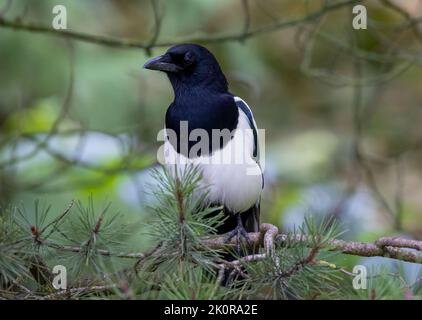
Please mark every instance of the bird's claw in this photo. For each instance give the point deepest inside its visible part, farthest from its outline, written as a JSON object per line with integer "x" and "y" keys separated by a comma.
{"x": 239, "y": 232}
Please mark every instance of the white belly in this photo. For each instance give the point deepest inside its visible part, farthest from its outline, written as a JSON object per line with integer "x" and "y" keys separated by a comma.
{"x": 230, "y": 175}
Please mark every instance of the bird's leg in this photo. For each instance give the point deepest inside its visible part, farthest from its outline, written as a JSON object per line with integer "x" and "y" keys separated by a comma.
{"x": 239, "y": 232}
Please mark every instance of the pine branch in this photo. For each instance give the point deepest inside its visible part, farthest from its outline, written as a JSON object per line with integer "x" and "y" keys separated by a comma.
{"x": 80, "y": 291}
{"x": 394, "y": 248}
{"x": 106, "y": 253}
{"x": 187, "y": 258}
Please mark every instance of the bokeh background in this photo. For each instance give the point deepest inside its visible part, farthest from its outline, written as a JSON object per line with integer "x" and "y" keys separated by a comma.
{"x": 342, "y": 108}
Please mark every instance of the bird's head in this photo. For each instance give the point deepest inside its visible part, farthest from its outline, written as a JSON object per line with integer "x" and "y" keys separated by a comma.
{"x": 190, "y": 66}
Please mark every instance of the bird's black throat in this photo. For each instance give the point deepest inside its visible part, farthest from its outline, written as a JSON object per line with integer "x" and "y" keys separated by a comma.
{"x": 201, "y": 108}
{"x": 201, "y": 101}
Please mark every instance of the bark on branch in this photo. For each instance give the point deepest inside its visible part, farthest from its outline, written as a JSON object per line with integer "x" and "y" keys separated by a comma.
{"x": 395, "y": 248}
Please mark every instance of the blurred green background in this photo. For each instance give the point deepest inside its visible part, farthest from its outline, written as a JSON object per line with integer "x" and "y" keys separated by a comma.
{"x": 341, "y": 107}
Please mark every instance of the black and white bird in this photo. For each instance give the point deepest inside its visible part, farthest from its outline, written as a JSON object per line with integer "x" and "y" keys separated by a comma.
{"x": 202, "y": 101}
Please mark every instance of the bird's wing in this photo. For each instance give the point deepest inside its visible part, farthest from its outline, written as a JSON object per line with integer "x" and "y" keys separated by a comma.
{"x": 253, "y": 214}
{"x": 243, "y": 106}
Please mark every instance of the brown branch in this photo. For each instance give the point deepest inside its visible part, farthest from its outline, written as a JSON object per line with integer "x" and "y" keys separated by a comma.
{"x": 365, "y": 249}
{"x": 395, "y": 249}
{"x": 268, "y": 233}
{"x": 250, "y": 258}
{"x": 309, "y": 259}
{"x": 399, "y": 242}
{"x": 18, "y": 24}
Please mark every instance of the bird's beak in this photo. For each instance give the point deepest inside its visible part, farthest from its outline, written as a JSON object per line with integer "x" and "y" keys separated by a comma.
{"x": 162, "y": 63}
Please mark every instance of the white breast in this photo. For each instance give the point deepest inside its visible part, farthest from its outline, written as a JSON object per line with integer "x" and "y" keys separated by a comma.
{"x": 229, "y": 174}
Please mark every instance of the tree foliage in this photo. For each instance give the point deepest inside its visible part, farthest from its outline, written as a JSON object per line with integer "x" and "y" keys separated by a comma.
{"x": 93, "y": 246}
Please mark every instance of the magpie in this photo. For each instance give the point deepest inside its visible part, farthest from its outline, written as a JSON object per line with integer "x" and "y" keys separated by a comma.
{"x": 204, "y": 104}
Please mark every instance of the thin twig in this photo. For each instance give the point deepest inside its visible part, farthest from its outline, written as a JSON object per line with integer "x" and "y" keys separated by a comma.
{"x": 389, "y": 4}
{"x": 157, "y": 27}
{"x": 247, "y": 14}
{"x": 130, "y": 43}
{"x": 59, "y": 218}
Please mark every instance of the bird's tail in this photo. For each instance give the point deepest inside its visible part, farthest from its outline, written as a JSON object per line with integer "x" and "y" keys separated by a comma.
{"x": 250, "y": 219}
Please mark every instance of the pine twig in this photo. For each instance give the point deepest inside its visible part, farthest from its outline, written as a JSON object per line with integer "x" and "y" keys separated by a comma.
{"x": 59, "y": 218}
{"x": 79, "y": 291}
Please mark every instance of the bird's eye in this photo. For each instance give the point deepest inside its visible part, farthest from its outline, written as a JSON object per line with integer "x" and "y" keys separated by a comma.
{"x": 189, "y": 58}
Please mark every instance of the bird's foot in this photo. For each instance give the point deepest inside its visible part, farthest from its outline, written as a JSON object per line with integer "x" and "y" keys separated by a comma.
{"x": 239, "y": 232}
